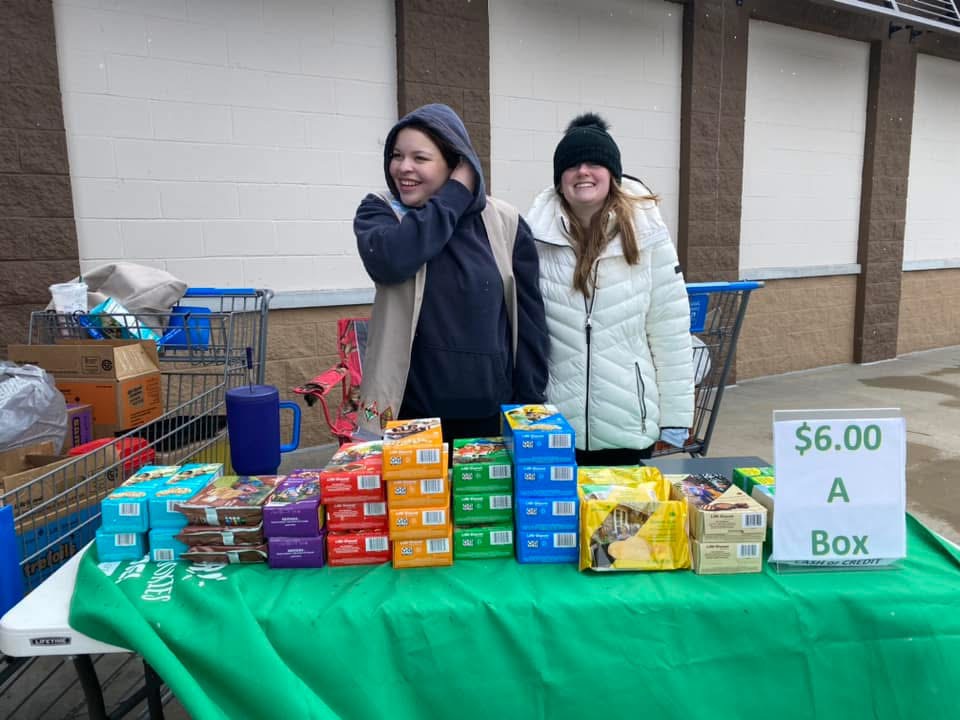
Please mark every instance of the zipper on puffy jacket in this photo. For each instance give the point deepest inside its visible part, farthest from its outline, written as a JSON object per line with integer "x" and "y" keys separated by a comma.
{"x": 641, "y": 394}
{"x": 588, "y": 331}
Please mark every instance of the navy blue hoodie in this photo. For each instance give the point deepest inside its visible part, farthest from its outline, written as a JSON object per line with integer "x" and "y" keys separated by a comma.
{"x": 461, "y": 365}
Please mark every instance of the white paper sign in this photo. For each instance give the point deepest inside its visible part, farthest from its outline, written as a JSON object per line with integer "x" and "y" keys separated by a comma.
{"x": 841, "y": 487}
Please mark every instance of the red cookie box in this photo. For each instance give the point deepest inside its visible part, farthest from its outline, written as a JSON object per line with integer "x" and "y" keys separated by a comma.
{"x": 357, "y": 516}
{"x": 358, "y": 548}
{"x": 354, "y": 474}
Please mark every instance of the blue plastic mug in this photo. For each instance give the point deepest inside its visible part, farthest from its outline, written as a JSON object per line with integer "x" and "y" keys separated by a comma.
{"x": 253, "y": 426}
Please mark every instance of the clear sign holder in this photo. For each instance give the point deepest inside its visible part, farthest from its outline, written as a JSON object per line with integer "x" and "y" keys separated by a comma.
{"x": 839, "y": 462}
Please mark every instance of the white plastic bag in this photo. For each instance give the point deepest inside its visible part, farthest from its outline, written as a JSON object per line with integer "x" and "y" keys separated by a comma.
{"x": 31, "y": 408}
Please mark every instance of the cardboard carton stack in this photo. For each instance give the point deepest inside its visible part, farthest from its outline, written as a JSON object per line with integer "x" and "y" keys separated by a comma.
{"x": 119, "y": 379}
{"x": 542, "y": 446}
{"x": 482, "y": 499}
{"x": 354, "y": 498}
{"x": 761, "y": 485}
{"x": 125, "y": 519}
{"x": 727, "y": 526}
{"x": 165, "y": 521}
{"x": 293, "y": 522}
{"x": 418, "y": 495}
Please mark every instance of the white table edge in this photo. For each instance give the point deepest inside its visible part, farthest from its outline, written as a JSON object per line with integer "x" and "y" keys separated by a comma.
{"x": 39, "y": 623}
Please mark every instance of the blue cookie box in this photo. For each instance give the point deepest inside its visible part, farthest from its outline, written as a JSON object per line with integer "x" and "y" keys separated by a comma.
{"x": 112, "y": 547}
{"x": 545, "y": 480}
{"x": 540, "y": 547}
{"x": 164, "y": 547}
{"x": 126, "y": 509}
{"x": 533, "y": 447}
{"x": 534, "y": 513}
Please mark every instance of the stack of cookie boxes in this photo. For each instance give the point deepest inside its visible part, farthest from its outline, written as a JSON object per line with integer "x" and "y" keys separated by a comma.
{"x": 727, "y": 526}
{"x": 353, "y": 493}
{"x": 225, "y": 520}
{"x": 293, "y": 522}
{"x": 418, "y": 495}
{"x": 144, "y": 504}
{"x": 482, "y": 499}
{"x": 542, "y": 446}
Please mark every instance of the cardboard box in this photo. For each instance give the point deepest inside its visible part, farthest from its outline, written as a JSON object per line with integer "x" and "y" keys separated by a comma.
{"x": 357, "y": 548}
{"x": 482, "y": 507}
{"x": 746, "y": 478}
{"x": 413, "y": 449}
{"x": 482, "y": 464}
{"x": 353, "y": 474}
{"x": 119, "y": 379}
{"x": 483, "y": 541}
{"x": 548, "y": 513}
{"x": 417, "y": 493}
{"x": 420, "y": 523}
{"x": 113, "y": 547}
{"x": 357, "y": 516}
{"x": 546, "y": 480}
{"x": 35, "y": 475}
{"x": 79, "y": 425}
{"x": 546, "y": 547}
{"x": 296, "y": 552}
{"x": 710, "y": 558}
{"x": 294, "y": 509}
{"x": 720, "y": 513}
{"x": 537, "y": 435}
{"x": 164, "y": 546}
{"x": 434, "y": 552}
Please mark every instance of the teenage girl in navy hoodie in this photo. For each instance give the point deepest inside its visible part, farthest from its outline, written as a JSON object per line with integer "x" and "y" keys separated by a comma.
{"x": 458, "y": 324}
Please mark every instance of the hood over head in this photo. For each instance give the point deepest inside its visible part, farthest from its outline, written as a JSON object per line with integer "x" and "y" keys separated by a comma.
{"x": 442, "y": 121}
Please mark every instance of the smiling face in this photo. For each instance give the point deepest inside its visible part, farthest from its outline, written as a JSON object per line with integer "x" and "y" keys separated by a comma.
{"x": 585, "y": 187}
{"x": 417, "y": 167}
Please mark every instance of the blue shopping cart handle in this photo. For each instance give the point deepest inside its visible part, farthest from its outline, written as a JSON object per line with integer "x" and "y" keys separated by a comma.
{"x": 721, "y": 287}
{"x": 219, "y": 292}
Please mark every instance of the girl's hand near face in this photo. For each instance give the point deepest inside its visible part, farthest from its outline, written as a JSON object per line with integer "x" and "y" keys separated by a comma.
{"x": 464, "y": 174}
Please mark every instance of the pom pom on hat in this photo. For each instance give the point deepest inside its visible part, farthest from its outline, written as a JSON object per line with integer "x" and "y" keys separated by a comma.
{"x": 587, "y": 140}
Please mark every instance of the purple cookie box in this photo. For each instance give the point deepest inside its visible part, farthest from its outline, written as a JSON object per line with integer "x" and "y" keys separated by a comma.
{"x": 294, "y": 508}
{"x": 296, "y": 552}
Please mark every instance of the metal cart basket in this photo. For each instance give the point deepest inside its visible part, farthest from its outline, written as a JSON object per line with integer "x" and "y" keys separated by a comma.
{"x": 716, "y": 316}
{"x": 212, "y": 340}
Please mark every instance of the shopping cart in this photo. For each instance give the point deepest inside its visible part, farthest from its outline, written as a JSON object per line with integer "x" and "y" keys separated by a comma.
{"x": 212, "y": 340}
{"x": 716, "y": 316}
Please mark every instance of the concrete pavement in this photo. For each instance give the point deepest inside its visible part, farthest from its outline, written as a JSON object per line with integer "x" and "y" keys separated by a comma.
{"x": 926, "y": 388}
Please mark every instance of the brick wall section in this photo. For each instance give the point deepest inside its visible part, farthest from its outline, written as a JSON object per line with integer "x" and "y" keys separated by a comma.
{"x": 38, "y": 240}
{"x": 796, "y": 325}
{"x": 713, "y": 97}
{"x": 443, "y": 55}
{"x": 883, "y": 205}
{"x": 301, "y": 344}
{"x": 929, "y": 310}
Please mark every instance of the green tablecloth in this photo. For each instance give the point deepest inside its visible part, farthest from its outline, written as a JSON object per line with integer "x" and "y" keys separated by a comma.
{"x": 494, "y": 639}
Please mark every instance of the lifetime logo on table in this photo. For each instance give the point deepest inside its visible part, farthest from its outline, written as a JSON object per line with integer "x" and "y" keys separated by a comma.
{"x": 841, "y": 488}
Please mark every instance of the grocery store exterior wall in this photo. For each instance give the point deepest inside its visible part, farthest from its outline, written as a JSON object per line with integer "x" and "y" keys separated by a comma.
{"x": 929, "y": 310}
{"x": 796, "y": 324}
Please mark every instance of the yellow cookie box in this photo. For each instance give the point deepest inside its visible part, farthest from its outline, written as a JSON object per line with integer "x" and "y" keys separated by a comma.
{"x": 435, "y": 552}
{"x": 621, "y": 528}
{"x": 413, "y": 449}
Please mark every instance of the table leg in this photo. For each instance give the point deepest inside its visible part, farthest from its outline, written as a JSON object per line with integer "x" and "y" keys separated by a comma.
{"x": 91, "y": 687}
{"x": 154, "y": 685}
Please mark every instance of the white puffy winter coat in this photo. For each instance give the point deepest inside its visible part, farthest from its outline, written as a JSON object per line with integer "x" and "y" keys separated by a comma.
{"x": 621, "y": 364}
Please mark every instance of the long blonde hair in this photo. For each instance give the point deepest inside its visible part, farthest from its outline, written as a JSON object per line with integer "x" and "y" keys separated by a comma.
{"x": 590, "y": 242}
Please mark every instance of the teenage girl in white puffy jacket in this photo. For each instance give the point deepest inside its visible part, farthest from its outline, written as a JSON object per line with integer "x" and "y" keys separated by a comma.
{"x": 621, "y": 364}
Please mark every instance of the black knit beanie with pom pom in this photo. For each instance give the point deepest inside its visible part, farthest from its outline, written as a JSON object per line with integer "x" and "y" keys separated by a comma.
{"x": 587, "y": 140}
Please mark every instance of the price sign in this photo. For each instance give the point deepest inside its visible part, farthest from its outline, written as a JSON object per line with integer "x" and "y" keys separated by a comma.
{"x": 841, "y": 488}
